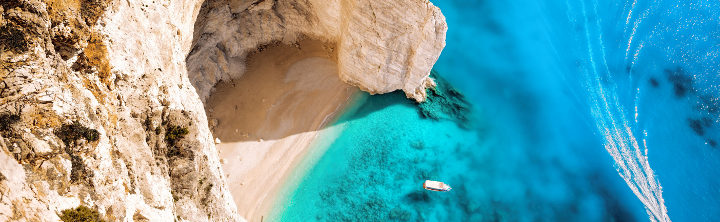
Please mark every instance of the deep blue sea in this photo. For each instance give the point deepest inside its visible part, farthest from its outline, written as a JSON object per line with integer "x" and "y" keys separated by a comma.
{"x": 581, "y": 110}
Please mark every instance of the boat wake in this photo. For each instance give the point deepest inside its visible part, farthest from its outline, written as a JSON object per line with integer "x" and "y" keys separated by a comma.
{"x": 621, "y": 142}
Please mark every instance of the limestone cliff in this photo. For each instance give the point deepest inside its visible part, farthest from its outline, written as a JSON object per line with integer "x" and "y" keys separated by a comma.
{"x": 381, "y": 46}
{"x": 99, "y": 112}
{"x": 101, "y": 100}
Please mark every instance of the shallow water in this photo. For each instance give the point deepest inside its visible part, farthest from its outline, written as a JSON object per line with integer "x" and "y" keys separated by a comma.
{"x": 581, "y": 111}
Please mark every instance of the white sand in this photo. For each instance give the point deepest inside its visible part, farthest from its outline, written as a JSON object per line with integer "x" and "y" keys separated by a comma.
{"x": 268, "y": 118}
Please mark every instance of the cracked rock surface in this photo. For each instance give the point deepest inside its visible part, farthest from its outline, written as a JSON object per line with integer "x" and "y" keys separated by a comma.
{"x": 90, "y": 91}
{"x": 101, "y": 100}
{"x": 381, "y": 46}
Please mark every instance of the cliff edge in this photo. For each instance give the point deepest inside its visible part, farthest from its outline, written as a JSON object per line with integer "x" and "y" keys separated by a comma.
{"x": 380, "y": 46}
{"x": 101, "y": 101}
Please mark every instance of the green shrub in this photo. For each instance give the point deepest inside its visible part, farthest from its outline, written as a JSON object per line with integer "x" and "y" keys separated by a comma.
{"x": 80, "y": 214}
{"x": 11, "y": 4}
{"x": 8, "y": 119}
{"x": 78, "y": 171}
{"x": 70, "y": 133}
{"x": 92, "y": 10}
{"x": 13, "y": 39}
{"x": 175, "y": 133}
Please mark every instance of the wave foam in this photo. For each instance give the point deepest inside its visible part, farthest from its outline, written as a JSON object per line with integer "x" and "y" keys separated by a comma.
{"x": 620, "y": 142}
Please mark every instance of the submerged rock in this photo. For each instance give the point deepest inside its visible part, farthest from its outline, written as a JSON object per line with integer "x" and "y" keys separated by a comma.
{"x": 445, "y": 102}
{"x": 681, "y": 82}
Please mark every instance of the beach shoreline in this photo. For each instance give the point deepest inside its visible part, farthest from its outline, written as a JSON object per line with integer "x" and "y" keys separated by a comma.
{"x": 305, "y": 164}
{"x": 268, "y": 119}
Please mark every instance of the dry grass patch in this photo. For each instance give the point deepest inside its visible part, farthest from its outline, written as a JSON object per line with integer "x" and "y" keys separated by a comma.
{"x": 96, "y": 55}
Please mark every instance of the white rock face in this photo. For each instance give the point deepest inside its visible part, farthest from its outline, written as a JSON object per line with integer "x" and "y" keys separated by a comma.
{"x": 381, "y": 46}
{"x": 127, "y": 70}
{"x": 132, "y": 172}
{"x": 390, "y": 45}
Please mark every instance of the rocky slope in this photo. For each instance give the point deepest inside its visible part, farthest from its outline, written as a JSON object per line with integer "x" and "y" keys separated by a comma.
{"x": 106, "y": 116}
{"x": 100, "y": 100}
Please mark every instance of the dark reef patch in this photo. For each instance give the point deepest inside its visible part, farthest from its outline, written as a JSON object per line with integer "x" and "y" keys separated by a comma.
{"x": 702, "y": 100}
{"x": 615, "y": 209}
{"x": 682, "y": 84}
{"x": 709, "y": 103}
{"x": 697, "y": 126}
{"x": 445, "y": 102}
{"x": 711, "y": 142}
{"x": 654, "y": 82}
{"x": 707, "y": 122}
{"x": 418, "y": 196}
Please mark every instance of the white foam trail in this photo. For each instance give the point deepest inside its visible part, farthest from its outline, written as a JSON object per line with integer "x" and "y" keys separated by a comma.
{"x": 632, "y": 36}
{"x": 629, "y": 15}
{"x": 637, "y": 53}
{"x": 632, "y": 164}
{"x": 637, "y": 99}
{"x": 636, "y": 24}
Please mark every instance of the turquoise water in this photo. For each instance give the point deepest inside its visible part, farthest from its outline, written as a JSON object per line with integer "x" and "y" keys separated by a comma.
{"x": 579, "y": 111}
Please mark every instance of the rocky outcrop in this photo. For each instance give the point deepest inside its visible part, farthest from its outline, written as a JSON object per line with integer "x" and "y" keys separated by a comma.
{"x": 100, "y": 113}
{"x": 380, "y": 46}
{"x": 101, "y": 100}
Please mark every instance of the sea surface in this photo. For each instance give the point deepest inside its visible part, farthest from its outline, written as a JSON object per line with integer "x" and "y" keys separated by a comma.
{"x": 580, "y": 110}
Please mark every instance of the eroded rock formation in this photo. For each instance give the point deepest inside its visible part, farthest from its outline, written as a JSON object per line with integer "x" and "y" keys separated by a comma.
{"x": 99, "y": 101}
{"x": 101, "y": 96}
{"x": 381, "y": 46}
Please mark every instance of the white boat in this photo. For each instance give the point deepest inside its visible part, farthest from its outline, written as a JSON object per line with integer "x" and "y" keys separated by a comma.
{"x": 436, "y": 186}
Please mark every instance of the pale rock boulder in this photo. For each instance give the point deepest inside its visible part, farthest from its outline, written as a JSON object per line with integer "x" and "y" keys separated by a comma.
{"x": 389, "y": 45}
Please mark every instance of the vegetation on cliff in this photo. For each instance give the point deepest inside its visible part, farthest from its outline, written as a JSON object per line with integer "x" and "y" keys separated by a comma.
{"x": 6, "y": 120}
{"x": 12, "y": 39}
{"x": 175, "y": 133}
{"x": 70, "y": 133}
{"x": 80, "y": 214}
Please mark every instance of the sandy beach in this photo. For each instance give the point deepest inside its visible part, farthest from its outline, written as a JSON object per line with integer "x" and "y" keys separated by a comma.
{"x": 268, "y": 118}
